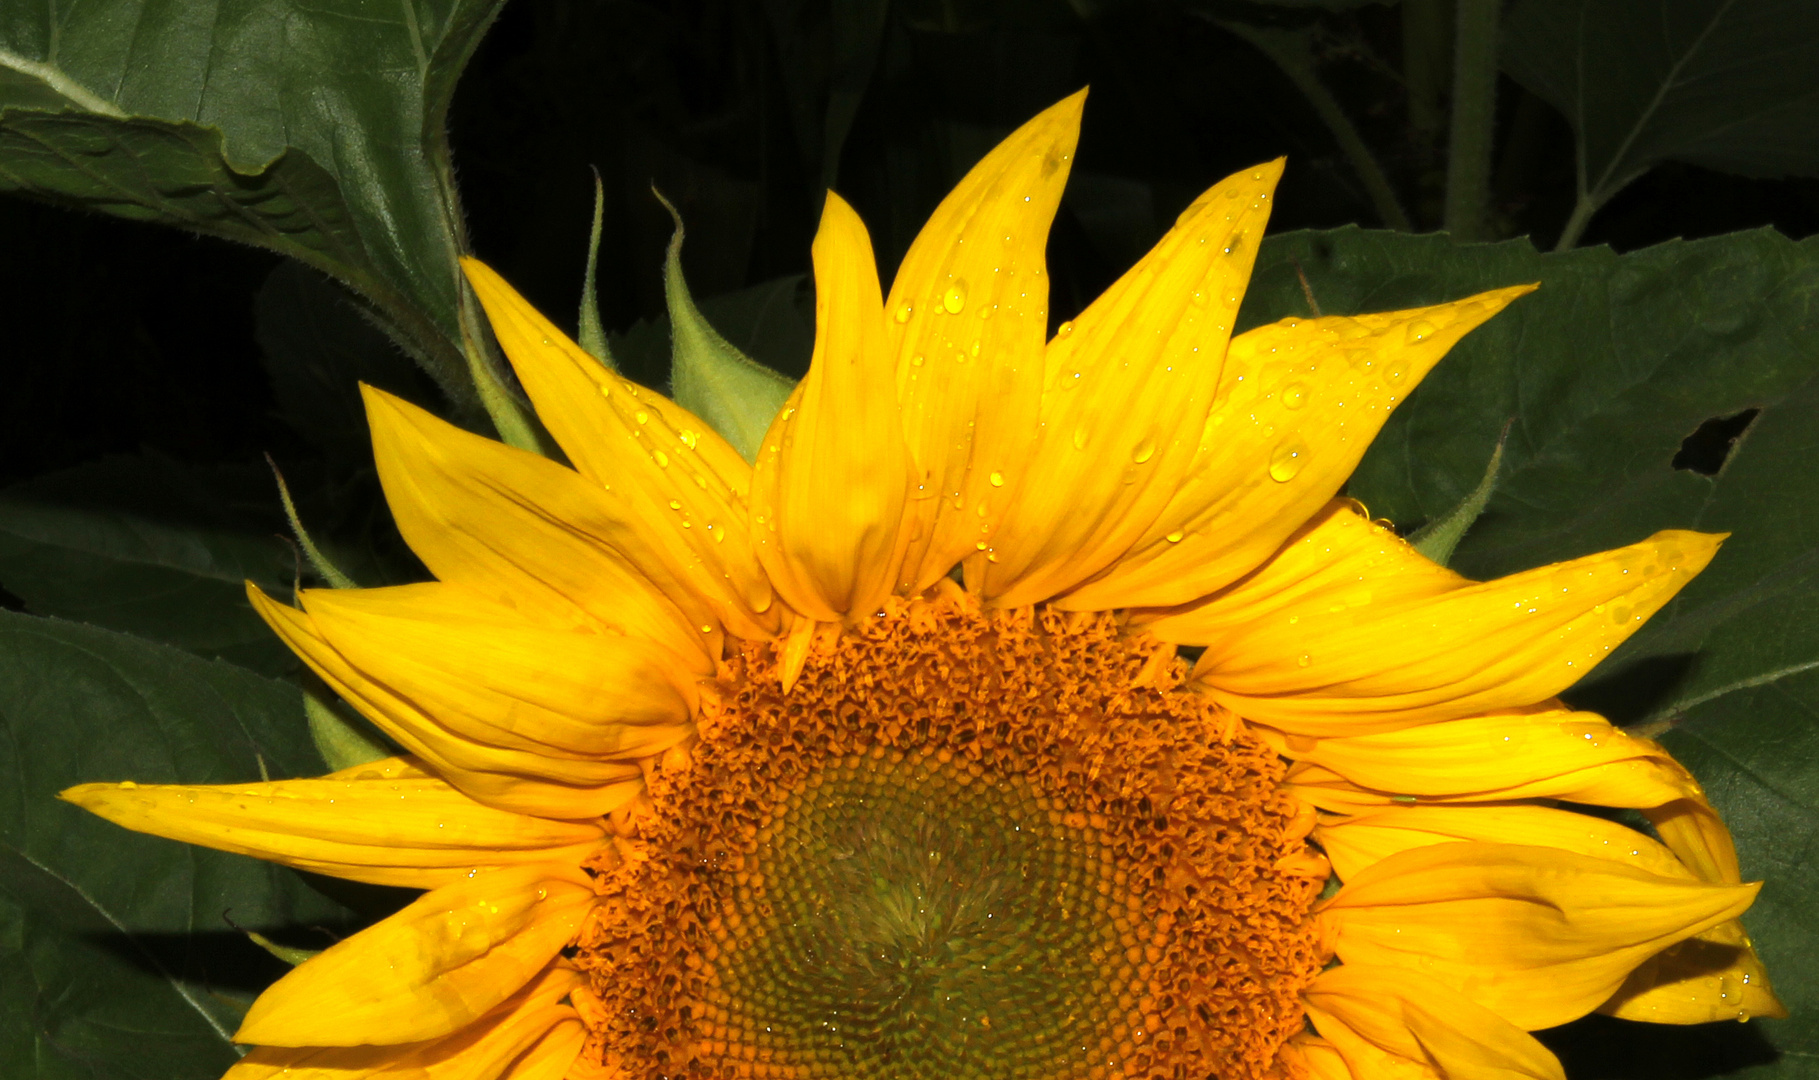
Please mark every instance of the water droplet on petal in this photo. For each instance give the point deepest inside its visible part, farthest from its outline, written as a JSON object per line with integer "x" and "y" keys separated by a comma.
{"x": 1304, "y": 660}
{"x": 955, "y": 298}
{"x": 1199, "y": 297}
{"x": 1144, "y": 450}
{"x": 642, "y": 417}
{"x": 903, "y": 313}
{"x": 675, "y": 505}
{"x": 1064, "y": 330}
{"x": 1396, "y": 371}
{"x": 689, "y": 438}
{"x": 997, "y": 479}
{"x": 1286, "y": 462}
{"x": 1419, "y": 330}
{"x": 1175, "y": 537}
{"x": 1080, "y": 436}
{"x": 1294, "y": 395}
{"x": 916, "y": 360}
{"x": 661, "y": 458}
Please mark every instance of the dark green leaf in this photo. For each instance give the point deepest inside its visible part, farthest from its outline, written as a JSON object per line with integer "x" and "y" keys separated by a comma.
{"x": 115, "y": 960}
{"x": 316, "y": 131}
{"x": 1603, "y": 374}
{"x": 147, "y": 546}
{"x": 1731, "y": 85}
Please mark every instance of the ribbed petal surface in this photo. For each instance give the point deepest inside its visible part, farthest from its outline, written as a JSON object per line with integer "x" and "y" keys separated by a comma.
{"x": 431, "y": 969}
{"x": 527, "y": 532}
{"x": 1126, "y": 389}
{"x": 1408, "y": 1015}
{"x": 677, "y": 487}
{"x": 1537, "y": 935}
{"x": 486, "y": 674}
{"x": 966, "y": 321}
{"x": 412, "y": 830}
{"x": 524, "y": 1032}
{"x": 505, "y": 778}
{"x": 834, "y": 474}
{"x": 1356, "y": 843}
{"x": 1299, "y": 401}
{"x": 1309, "y": 1057}
{"x": 1347, "y": 630}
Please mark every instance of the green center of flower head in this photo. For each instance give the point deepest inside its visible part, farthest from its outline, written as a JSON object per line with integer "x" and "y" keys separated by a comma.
{"x": 912, "y": 919}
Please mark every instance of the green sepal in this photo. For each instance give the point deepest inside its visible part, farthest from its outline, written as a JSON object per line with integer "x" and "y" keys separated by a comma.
{"x": 329, "y": 571}
{"x": 734, "y": 394}
{"x": 291, "y": 956}
{"x": 1439, "y": 537}
{"x": 341, "y": 744}
{"x": 590, "y": 334}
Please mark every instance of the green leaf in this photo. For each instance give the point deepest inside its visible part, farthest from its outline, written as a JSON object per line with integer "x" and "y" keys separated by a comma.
{"x": 150, "y": 547}
{"x": 1731, "y": 85}
{"x": 317, "y": 131}
{"x": 1606, "y": 371}
{"x": 115, "y": 960}
{"x": 710, "y": 377}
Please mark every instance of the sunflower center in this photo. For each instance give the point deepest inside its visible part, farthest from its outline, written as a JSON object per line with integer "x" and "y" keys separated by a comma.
{"x": 919, "y": 920}
{"x": 963, "y": 845}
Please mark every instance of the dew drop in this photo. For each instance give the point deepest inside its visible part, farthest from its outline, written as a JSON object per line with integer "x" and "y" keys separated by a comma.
{"x": 642, "y": 417}
{"x": 903, "y": 313}
{"x": 1304, "y": 660}
{"x": 688, "y": 437}
{"x": 1199, "y": 297}
{"x": 127, "y": 785}
{"x": 661, "y": 458}
{"x": 997, "y": 479}
{"x": 1144, "y": 450}
{"x": 1294, "y": 395}
{"x": 1286, "y": 462}
{"x": 1620, "y": 615}
{"x": 1396, "y": 371}
{"x": 606, "y": 391}
{"x": 1175, "y": 537}
{"x": 916, "y": 360}
{"x": 1080, "y": 435}
{"x": 1361, "y": 359}
{"x": 974, "y": 351}
{"x": 1064, "y": 329}
{"x": 1419, "y": 330}
{"x": 955, "y": 298}
{"x": 675, "y": 505}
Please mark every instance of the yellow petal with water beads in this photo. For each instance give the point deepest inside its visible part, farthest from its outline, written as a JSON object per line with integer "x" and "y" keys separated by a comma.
{"x": 529, "y": 1030}
{"x": 1536, "y": 935}
{"x": 1384, "y": 639}
{"x": 1364, "y": 1011}
{"x": 1298, "y": 402}
{"x": 833, "y": 475}
{"x": 1132, "y": 381}
{"x": 504, "y": 778}
{"x": 431, "y": 969}
{"x": 521, "y": 530}
{"x": 972, "y": 297}
{"x": 615, "y": 431}
{"x": 368, "y": 823}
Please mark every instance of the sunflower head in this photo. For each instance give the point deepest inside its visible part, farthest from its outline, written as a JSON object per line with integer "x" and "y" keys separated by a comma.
{"x": 878, "y": 757}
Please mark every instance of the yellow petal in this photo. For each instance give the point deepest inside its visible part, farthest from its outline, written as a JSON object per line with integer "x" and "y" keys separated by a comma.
{"x": 1542, "y": 753}
{"x": 417, "y": 832}
{"x": 500, "y": 777}
{"x": 1309, "y": 1057}
{"x": 833, "y": 473}
{"x": 1126, "y": 391}
{"x": 529, "y": 1024}
{"x": 484, "y": 673}
{"x": 551, "y": 1057}
{"x": 1714, "y": 976}
{"x": 431, "y": 969}
{"x": 1536, "y": 935}
{"x": 526, "y": 532}
{"x": 966, "y": 321}
{"x": 1405, "y": 1014}
{"x": 1299, "y": 401}
{"x": 1354, "y": 843}
{"x": 1347, "y": 630}
{"x": 677, "y": 487}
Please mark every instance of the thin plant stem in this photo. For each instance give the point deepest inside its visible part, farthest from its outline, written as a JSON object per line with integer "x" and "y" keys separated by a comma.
{"x": 1575, "y": 225}
{"x": 1468, "y": 177}
{"x": 1289, "y": 49}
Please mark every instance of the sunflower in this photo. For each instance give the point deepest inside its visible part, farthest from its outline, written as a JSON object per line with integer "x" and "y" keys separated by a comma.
{"x": 877, "y": 756}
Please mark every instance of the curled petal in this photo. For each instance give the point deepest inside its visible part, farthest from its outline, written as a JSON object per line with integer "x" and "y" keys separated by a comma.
{"x": 1347, "y": 630}
{"x": 1536, "y": 935}
{"x": 431, "y": 969}
{"x": 527, "y": 532}
{"x": 1713, "y": 976}
{"x": 1355, "y": 843}
{"x": 527, "y": 1030}
{"x": 1298, "y": 403}
{"x": 966, "y": 321}
{"x": 834, "y": 474}
{"x": 363, "y": 824}
{"x": 1407, "y": 1015}
{"x": 1309, "y": 1057}
{"x": 505, "y": 778}
{"x": 1127, "y": 386}
{"x": 485, "y": 673}
{"x": 676, "y": 487}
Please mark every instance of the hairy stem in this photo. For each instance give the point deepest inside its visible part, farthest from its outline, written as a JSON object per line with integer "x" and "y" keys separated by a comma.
{"x": 1474, "y": 119}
